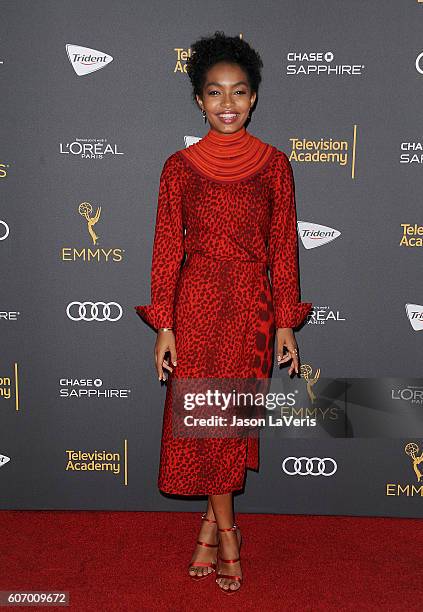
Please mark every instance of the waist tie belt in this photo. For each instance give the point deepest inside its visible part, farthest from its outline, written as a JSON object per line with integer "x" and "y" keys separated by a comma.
{"x": 260, "y": 264}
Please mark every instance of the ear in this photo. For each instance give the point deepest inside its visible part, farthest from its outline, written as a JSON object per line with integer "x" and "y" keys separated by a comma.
{"x": 199, "y": 101}
{"x": 253, "y": 98}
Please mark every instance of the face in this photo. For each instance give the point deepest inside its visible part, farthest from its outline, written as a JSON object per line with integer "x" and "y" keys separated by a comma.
{"x": 227, "y": 97}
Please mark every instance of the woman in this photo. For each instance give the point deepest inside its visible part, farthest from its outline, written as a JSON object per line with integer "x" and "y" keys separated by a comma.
{"x": 216, "y": 313}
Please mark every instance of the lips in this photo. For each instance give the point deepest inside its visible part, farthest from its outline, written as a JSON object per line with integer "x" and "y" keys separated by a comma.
{"x": 228, "y": 117}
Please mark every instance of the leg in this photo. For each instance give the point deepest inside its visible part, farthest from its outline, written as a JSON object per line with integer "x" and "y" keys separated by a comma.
{"x": 229, "y": 541}
{"x": 203, "y": 554}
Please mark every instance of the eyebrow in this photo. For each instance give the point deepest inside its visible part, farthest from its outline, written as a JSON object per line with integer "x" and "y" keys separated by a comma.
{"x": 220, "y": 85}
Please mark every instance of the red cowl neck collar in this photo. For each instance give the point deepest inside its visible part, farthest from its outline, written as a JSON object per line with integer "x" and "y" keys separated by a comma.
{"x": 228, "y": 157}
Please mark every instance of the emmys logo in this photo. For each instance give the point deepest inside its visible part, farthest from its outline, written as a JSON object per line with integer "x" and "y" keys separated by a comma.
{"x": 85, "y": 60}
{"x": 85, "y": 210}
{"x": 415, "y": 316}
{"x": 411, "y": 449}
{"x": 306, "y": 373}
{"x": 99, "y": 254}
{"x": 3, "y": 170}
{"x": 313, "y": 235}
{"x": 4, "y": 460}
{"x": 9, "y": 387}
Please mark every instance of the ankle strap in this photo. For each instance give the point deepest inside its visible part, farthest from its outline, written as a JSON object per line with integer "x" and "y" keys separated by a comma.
{"x": 203, "y": 516}
{"x": 233, "y": 528}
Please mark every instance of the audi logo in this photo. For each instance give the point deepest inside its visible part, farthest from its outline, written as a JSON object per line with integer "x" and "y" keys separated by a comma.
{"x": 305, "y": 466}
{"x": 6, "y": 230}
{"x": 94, "y": 311}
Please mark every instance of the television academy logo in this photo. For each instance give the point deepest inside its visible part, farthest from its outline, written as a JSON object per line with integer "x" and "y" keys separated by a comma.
{"x": 317, "y": 63}
{"x": 4, "y": 230}
{"x": 182, "y": 56}
{"x": 415, "y": 316}
{"x": 412, "y": 235}
{"x": 113, "y": 462}
{"x": 314, "y": 235}
{"x": 85, "y": 60}
{"x": 89, "y": 148}
{"x": 9, "y": 387}
{"x": 327, "y": 151}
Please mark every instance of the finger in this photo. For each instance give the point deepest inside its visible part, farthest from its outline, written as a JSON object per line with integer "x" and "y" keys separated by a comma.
{"x": 283, "y": 358}
{"x": 160, "y": 355}
{"x": 294, "y": 365}
{"x": 167, "y": 366}
{"x": 173, "y": 354}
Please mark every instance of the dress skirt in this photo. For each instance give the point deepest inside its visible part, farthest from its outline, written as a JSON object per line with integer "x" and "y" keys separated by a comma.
{"x": 224, "y": 328}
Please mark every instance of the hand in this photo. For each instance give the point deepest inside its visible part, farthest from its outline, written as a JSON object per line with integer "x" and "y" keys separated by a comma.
{"x": 165, "y": 341}
{"x": 285, "y": 337}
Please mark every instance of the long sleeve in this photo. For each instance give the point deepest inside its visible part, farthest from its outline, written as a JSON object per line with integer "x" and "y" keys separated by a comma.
{"x": 168, "y": 250}
{"x": 283, "y": 251}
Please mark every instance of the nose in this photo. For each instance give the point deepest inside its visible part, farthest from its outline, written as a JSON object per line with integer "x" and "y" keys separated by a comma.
{"x": 227, "y": 102}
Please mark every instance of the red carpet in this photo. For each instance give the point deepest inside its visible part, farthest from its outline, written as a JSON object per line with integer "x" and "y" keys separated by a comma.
{"x": 137, "y": 561}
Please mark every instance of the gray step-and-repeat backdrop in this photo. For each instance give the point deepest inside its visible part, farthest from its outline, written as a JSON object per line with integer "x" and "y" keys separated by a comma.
{"x": 94, "y": 98}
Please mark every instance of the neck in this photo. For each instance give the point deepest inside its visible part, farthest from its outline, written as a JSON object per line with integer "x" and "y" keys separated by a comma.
{"x": 230, "y": 156}
{"x": 229, "y": 135}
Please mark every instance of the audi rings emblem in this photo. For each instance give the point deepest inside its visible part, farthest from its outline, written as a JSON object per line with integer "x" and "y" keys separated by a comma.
{"x": 6, "y": 230}
{"x": 91, "y": 311}
{"x": 305, "y": 466}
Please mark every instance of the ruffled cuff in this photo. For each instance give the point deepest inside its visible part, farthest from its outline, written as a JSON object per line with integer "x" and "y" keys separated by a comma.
{"x": 155, "y": 315}
{"x": 292, "y": 315}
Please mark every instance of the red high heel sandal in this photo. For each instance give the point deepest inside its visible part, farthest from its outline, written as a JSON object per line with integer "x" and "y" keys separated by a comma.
{"x": 219, "y": 574}
{"x": 211, "y": 564}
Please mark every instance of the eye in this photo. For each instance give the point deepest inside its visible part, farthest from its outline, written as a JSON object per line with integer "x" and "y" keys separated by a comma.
{"x": 241, "y": 91}
{"x": 212, "y": 92}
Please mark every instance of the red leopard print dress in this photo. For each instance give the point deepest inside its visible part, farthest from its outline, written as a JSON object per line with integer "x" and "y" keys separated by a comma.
{"x": 218, "y": 229}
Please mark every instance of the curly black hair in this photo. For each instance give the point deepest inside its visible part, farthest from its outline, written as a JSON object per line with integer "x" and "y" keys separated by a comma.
{"x": 209, "y": 50}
